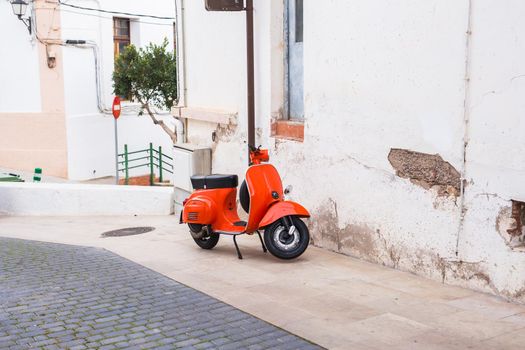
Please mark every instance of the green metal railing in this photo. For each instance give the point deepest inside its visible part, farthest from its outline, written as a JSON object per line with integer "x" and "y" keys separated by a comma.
{"x": 151, "y": 158}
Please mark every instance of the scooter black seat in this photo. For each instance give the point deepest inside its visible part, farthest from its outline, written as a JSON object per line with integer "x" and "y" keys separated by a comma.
{"x": 214, "y": 181}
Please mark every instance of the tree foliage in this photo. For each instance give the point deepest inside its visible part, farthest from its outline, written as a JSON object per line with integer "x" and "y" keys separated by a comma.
{"x": 148, "y": 76}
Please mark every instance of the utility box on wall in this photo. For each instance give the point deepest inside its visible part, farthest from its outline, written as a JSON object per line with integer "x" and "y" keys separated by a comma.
{"x": 188, "y": 160}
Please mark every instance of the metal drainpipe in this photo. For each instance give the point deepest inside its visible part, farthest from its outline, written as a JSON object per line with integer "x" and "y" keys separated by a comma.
{"x": 180, "y": 53}
{"x": 180, "y": 38}
{"x": 183, "y": 36}
{"x": 250, "y": 73}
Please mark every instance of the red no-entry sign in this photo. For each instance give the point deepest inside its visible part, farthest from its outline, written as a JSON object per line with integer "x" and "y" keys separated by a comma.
{"x": 116, "y": 113}
{"x": 116, "y": 107}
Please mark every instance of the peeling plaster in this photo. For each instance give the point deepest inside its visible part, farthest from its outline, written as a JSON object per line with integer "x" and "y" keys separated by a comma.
{"x": 426, "y": 170}
{"x": 225, "y": 133}
{"x": 358, "y": 240}
{"x": 505, "y": 224}
{"x": 362, "y": 241}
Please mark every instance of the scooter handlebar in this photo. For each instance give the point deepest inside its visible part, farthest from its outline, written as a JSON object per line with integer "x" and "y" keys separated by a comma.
{"x": 254, "y": 149}
{"x": 258, "y": 155}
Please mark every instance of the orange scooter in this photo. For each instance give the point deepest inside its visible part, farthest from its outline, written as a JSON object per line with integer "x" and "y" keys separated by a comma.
{"x": 211, "y": 210}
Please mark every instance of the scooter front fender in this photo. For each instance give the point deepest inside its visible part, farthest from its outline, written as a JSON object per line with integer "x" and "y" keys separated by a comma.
{"x": 281, "y": 209}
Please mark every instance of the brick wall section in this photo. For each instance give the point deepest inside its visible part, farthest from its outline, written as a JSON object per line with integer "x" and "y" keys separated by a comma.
{"x": 138, "y": 181}
{"x": 288, "y": 129}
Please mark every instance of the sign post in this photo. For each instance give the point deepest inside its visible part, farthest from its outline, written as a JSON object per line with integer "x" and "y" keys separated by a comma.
{"x": 116, "y": 113}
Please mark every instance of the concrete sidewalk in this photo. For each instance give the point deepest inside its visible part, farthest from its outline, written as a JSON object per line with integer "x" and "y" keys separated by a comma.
{"x": 334, "y": 301}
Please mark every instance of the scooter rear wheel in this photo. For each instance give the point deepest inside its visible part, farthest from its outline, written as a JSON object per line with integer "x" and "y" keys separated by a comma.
{"x": 283, "y": 245}
{"x": 207, "y": 241}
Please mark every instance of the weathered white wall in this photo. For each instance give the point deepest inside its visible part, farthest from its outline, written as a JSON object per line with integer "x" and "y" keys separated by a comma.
{"x": 51, "y": 199}
{"x": 19, "y": 67}
{"x": 382, "y": 75}
{"x": 215, "y": 71}
{"x": 90, "y": 133}
{"x": 495, "y": 165}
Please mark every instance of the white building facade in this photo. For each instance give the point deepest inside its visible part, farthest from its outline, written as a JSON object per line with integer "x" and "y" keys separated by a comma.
{"x": 56, "y": 96}
{"x": 410, "y": 148}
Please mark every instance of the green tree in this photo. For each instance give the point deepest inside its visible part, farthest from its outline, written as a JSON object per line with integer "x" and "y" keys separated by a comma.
{"x": 148, "y": 76}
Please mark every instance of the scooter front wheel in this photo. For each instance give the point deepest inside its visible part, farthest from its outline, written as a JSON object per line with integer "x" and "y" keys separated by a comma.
{"x": 287, "y": 243}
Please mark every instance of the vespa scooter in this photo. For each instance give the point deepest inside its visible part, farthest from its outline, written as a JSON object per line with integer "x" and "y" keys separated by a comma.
{"x": 211, "y": 210}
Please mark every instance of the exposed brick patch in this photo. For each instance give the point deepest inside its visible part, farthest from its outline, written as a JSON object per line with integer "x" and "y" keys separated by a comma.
{"x": 426, "y": 170}
{"x": 288, "y": 129}
{"x": 510, "y": 224}
{"x": 517, "y": 214}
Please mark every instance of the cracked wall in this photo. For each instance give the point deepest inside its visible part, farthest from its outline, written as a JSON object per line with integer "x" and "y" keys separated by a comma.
{"x": 371, "y": 244}
{"x": 384, "y": 143}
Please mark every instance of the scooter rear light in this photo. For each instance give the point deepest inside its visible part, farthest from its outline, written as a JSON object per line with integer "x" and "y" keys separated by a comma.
{"x": 185, "y": 201}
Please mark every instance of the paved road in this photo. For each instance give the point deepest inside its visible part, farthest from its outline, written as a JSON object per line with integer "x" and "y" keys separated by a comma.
{"x": 55, "y": 296}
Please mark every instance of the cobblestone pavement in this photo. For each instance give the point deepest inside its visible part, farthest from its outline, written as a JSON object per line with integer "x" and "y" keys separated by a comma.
{"x": 55, "y": 296}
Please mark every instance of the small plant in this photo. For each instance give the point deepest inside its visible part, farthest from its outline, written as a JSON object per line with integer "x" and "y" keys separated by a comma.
{"x": 148, "y": 76}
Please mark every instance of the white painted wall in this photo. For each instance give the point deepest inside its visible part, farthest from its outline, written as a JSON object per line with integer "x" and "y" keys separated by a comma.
{"x": 382, "y": 75}
{"x": 378, "y": 76}
{"x": 51, "y": 199}
{"x": 91, "y": 147}
{"x": 90, "y": 133}
{"x": 496, "y": 147}
{"x": 19, "y": 66}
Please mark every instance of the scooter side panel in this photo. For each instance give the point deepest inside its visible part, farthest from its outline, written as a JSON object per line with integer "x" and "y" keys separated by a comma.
{"x": 265, "y": 187}
{"x": 282, "y": 209}
{"x": 199, "y": 210}
{"x": 227, "y": 215}
{"x": 216, "y": 207}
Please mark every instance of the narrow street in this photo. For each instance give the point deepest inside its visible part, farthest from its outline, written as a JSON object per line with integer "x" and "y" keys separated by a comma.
{"x": 56, "y": 296}
{"x": 332, "y": 300}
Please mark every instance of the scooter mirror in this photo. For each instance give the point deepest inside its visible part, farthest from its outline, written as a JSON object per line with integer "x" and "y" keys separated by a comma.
{"x": 288, "y": 189}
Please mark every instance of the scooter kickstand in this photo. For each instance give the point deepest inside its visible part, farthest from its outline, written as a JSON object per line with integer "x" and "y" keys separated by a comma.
{"x": 237, "y": 247}
{"x": 262, "y": 243}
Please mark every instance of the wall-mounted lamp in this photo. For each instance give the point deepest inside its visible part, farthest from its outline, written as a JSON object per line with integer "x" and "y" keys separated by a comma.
{"x": 19, "y": 9}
